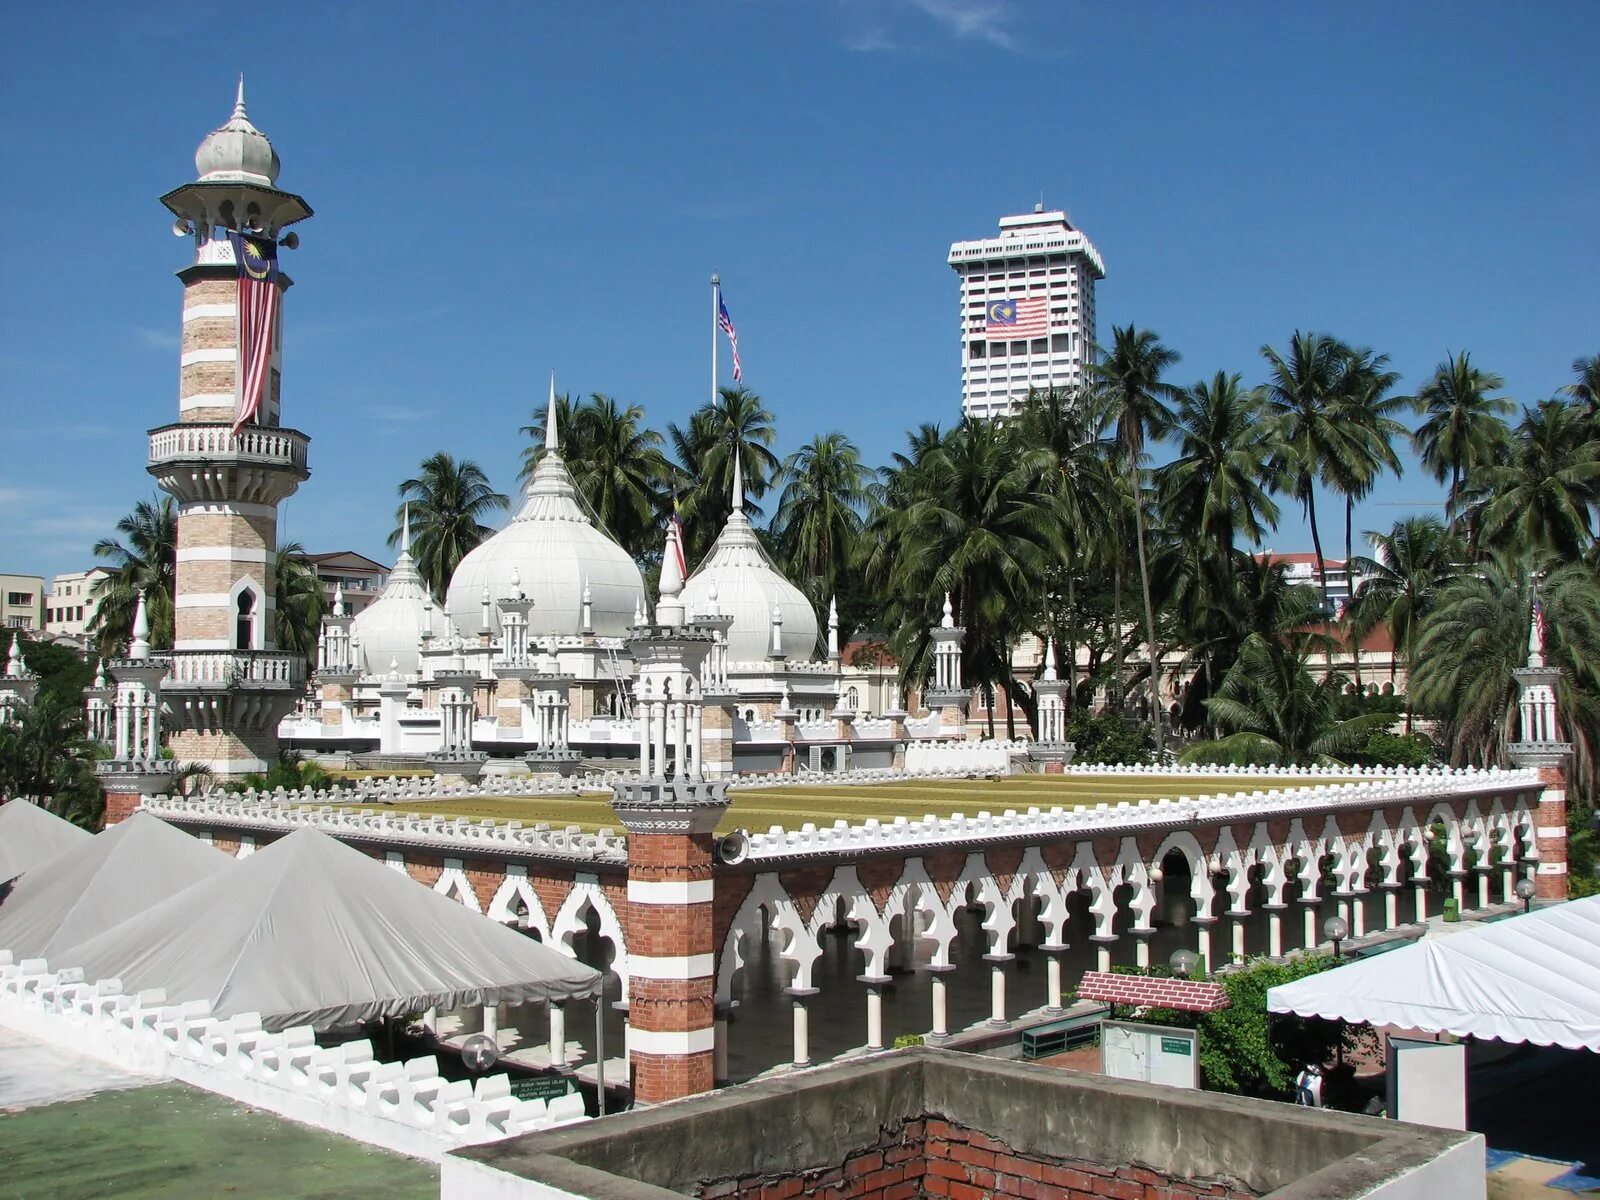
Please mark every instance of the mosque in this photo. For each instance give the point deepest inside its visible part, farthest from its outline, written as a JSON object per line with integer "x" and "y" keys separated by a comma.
{"x": 531, "y": 662}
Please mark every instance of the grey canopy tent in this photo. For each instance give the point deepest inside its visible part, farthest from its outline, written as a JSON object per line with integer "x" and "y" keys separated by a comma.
{"x": 30, "y": 835}
{"x": 309, "y": 931}
{"x": 104, "y": 880}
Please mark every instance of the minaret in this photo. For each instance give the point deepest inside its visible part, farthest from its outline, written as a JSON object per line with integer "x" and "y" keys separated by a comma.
{"x": 1539, "y": 747}
{"x": 136, "y": 768}
{"x": 1050, "y": 690}
{"x": 670, "y": 819}
{"x": 228, "y": 688}
{"x": 947, "y": 694}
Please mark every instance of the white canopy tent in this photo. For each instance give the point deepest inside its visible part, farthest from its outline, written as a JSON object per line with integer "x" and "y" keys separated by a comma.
{"x": 30, "y": 835}
{"x": 1530, "y": 978}
{"x": 101, "y": 882}
{"x": 309, "y": 931}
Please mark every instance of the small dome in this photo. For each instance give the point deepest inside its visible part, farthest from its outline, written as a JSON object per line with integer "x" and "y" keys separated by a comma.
{"x": 238, "y": 152}
{"x": 737, "y": 580}
{"x": 551, "y": 551}
{"x": 388, "y": 630}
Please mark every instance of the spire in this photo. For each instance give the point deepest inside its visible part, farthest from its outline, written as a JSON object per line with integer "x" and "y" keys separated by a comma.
{"x": 552, "y": 435}
{"x": 669, "y": 606}
{"x": 948, "y": 620}
{"x": 14, "y": 667}
{"x": 338, "y": 599}
{"x": 405, "y": 529}
{"x": 140, "y": 646}
{"x": 239, "y": 113}
{"x": 483, "y": 626}
{"x": 1049, "y": 660}
{"x": 833, "y": 628}
{"x": 738, "y": 483}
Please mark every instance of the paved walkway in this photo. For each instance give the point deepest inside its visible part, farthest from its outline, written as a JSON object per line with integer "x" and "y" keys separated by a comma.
{"x": 34, "y": 1073}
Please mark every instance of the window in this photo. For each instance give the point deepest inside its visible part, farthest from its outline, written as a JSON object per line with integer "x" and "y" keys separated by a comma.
{"x": 976, "y": 349}
{"x": 19, "y": 597}
{"x": 77, "y": 613}
{"x": 19, "y": 622}
{"x": 245, "y": 624}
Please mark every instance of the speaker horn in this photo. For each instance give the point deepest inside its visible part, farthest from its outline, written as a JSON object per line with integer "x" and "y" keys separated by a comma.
{"x": 734, "y": 848}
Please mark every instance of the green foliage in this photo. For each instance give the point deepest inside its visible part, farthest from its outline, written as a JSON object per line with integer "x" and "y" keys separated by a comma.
{"x": 1583, "y": 852}
{"x": 147, "y": 564}
{"x": 45, "y": 756}
{"x": 291, "y": 772}
{"x": 1109, "y": 739}
{"x": 447, "y": 502}
{"x": 908, "y": 1039}
{"x": 1396, "y": 750}
{"x": 60, "y": 669}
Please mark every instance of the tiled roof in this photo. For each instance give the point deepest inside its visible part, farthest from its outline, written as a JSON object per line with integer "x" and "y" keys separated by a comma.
{"x": 1184, "y": 995}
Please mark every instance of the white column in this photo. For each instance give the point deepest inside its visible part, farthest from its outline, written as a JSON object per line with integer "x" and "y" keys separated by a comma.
{"x": 1420, "y": 892}
{"x": 802, "y": 1034}
{"x": 123, "y": 730}
{"x": 643, "y": 713}
{"x": 997, "y": 995}
{"x": 1391, "y": 907}
{"x": 1275, "y": 934}
{"x": 941, "y": 1012}
{"x": 1311, "y": 928}
{"x": 1052, "y": 978}
{"x": 491, "y": 1021}
{"x": 1358, "y": 914}
{"x": 558, "y": 1035}
{"x": 874, "y": 1017}
{"x": 658, "y": 731}
{"x": 1238, "y": 937}
{"x": 1103, "y": 957}
{"x": 153, "y": 714}
{"x": 1141, "y": 952}
{"x": 1483, "y": 889}
{"x": 1203, "y": 947}
{"x": 694, "y": 741}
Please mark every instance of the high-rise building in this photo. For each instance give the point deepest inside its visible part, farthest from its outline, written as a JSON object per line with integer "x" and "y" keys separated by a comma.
{"x": 1027, "y": 310}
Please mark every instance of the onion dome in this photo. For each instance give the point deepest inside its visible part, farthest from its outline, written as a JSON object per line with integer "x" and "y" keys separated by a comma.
{"x": 238, "y": 152}
{"x": 388, "y": 631}
{"x": 736, "y": 580}
{"x": 555, "y": 551}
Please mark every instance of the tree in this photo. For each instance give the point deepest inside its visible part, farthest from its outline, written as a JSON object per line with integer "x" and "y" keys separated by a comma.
{"x": 1278, "y": 715}
{"x": 147, "y": 565}
{"x": 1304, "y": 389}
{"x": 1585, "y": 389}
{"x": 46, "y": 757}
{"x": 566, "y": 427}
{"x": 1130, "y": 377}
{"x": 818, "y": 521}
{"x": 1463, "y": 427}
{"x": 1537, "y": 500}
{"x": 300, "y": 603}
{"x": 740, "y": 424}
{"x": 447, "y": 501}
{"x": 1475, "y": 638}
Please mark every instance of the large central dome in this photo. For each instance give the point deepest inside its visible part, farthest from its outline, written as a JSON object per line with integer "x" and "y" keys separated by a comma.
{"x": 737, "y": 580}
{"x": 554, "y": 550}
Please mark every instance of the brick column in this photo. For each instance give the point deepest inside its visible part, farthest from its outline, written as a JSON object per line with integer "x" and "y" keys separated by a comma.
{"x": 671, "y": 934}
{"x": 1550, "y": 834}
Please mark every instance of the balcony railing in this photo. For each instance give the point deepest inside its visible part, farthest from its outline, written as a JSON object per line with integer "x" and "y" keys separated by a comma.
{"x": 252, "y": 446}
{"x": 236, "y": 668}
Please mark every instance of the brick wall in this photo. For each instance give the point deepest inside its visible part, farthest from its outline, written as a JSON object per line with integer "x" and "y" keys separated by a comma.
{"x": 934, "y": 1157}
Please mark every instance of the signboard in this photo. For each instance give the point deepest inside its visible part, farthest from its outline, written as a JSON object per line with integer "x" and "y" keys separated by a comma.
{"x": 1150, "y": 1053}
{"x": 1428, "y": 1082}
{"x": 540, "y": 1087}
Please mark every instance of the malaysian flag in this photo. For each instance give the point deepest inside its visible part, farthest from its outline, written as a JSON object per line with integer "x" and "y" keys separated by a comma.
{"x": 1538, "y": 618}
{"x": 257, "y": 259}
{"x": 1024, "y": 318}
{"x": 724, "y": 320}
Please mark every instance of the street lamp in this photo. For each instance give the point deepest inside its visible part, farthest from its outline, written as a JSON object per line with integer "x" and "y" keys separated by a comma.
{"x": 1183, "y": 963}
{"x": 1335, "y": 930}
{"x": 1525, "y": 890}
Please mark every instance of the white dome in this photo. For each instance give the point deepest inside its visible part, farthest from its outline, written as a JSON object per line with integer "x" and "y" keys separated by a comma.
{"x": 238, "y": 152}
{"x": 388, "y": 629}
{"x": 747, "y": 588}
{"x": 554, "y": 550}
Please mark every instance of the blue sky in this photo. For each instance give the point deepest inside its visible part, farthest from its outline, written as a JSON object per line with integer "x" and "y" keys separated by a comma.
{"x": 506, "y": 189}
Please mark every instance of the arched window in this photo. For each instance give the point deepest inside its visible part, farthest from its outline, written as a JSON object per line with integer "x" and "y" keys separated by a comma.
{"x": 244, "y": 626}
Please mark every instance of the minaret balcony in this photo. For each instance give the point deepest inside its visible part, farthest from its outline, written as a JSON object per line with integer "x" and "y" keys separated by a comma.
{"x": 210, "y": 462}
{"x": 235, "y": 670}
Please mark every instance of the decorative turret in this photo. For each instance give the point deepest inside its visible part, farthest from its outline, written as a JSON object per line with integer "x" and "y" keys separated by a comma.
{"x": 136, "y": 768}
{"x": 947, "y": 693}
{"x": 1539, "y": 746}
{"x": 1050, "y": 691}
{"x": 18, "y": 684}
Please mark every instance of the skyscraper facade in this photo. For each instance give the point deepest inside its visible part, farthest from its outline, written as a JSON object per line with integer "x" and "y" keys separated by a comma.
{"x": 1027, "y": 310}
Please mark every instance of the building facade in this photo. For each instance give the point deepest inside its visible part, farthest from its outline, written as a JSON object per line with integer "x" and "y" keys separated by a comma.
{"x": 71, "y": 605}
{"x": 354, "y": 577}
{"x": 22, "y": 601}
{"x": 1036, "y": 256}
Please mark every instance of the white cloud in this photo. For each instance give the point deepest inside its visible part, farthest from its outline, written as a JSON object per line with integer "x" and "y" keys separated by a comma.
{"x": 980, "y": 20}
{"x": 157, "y": 339}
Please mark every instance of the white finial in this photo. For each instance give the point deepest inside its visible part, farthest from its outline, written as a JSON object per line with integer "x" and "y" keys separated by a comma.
{"x": 238, "y": 104}
{"x": 948, "y": 620}
{"x": 338, "y": 599}
{"x": 483, "y": 605}
{"x": 552, "y": 435}
{"x": 140, "y": 646}
{"x": 14, "y": 658}
{"x": 516, "y": 584}
{"x": 587, "y": 602}
{"x": 833, "y": 628}
{"x": 776, "y": 650}
{"x": 671, "y": 569}
{"x": 738, "y": 482}
{"x": 405, "y": 530}
{"x": 588, "y": 596}
{"x": 638, "y": 610}
{"x": 1049, "y": 659}
{"x": 100, "y": 675}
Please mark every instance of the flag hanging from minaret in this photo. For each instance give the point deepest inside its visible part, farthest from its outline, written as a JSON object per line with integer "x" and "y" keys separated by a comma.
{"x": 257, "y": 262}
{"x": 724, "y": 320}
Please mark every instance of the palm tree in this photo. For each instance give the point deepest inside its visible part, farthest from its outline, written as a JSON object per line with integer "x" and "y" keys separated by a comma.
{"x": 1304, "y": 389}
{"x": 300, "y": 603}
{"x": 46, "y": 756}
{"x": 1278, "y": 714}
{"x": 1585, "y": 389}
{"x": 1217, "y": 486}
{"x": 1400, "y": 585}
{"x": 1364, "y": 411}
{"x": 740, "y": 424}
{"x": 1464, "y": 427}
{"x": 817, "y": 524}
{"x": 1130, "y": 379}
{"x": 568, "y": 416}
{"x": 447, "y": 501}
{"x": 1476, "y": 637}
{"x": 1538, "y": 500}
{"x": 147, "y": 565}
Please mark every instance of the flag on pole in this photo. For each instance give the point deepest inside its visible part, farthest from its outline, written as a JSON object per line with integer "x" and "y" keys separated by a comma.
{"x": 1022, "y": 318}
{"x": 258, "y": 296}
{"x": 677, "y": 531}
{"x": 726, "y": 322}
{"x": 1538, "y": 617}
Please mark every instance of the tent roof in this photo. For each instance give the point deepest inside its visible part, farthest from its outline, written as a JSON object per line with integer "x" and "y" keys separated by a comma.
{"x": 30, "y": 835}
{"x": 102, "y": 881}
{"x": 309, "y": 931}
{"x": 1530, "y": 978}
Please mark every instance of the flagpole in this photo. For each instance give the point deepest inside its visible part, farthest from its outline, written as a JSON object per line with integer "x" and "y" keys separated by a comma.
{"x": 716, "y": 296}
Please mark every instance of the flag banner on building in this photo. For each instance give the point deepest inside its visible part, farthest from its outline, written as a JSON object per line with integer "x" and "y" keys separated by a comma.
{"x": 726, "y": 322}
{"x": 1538, "y": 618}
{"x": 1024, "y": 318}
{"x": 257, "y": 260}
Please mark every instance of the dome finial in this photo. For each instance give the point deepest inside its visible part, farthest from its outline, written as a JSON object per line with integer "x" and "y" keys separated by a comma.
{"x": 140, "y": 646}
{"x": 947, "y": 620}
{"x": 1049, "y": 660}
{"x": 552, "y": 436}
{"x": 738, "y": 481}
{"x": 238, "y": 104}
{"x": 405, "y": 529}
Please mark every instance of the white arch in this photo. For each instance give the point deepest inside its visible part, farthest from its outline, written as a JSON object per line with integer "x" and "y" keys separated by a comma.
{"x": 453, "y": 881}
{"x": 515, "y": 886}
{"x": 587, "y": 893}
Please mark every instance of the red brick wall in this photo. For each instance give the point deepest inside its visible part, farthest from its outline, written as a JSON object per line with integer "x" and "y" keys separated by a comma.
{"x": 935, "y": 1157}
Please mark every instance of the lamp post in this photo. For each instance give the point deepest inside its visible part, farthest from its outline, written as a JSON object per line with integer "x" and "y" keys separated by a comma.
{"x": 1183, "y": 963}
{"x": 1335, "y": 930}
{"x": 1525, "y": 890}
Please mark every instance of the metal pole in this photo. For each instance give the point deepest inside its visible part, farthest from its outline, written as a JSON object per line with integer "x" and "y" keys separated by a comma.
{"x": 600, "y": 1051}
{"x": 716, "y": 296}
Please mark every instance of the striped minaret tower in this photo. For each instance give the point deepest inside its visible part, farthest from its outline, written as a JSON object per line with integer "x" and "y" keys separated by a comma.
{"x": 229, "y": 467}
{"x": 1539, "y": 747}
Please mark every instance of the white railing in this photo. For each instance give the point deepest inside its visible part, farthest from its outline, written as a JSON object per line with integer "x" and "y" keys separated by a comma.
{"x": 229, "y": 667}
{"x": 251, "y": 444}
